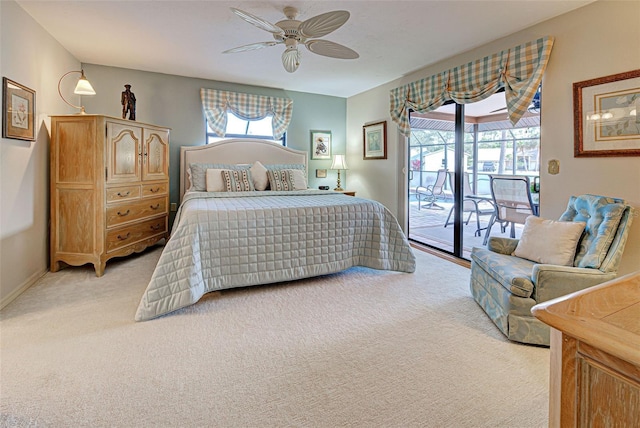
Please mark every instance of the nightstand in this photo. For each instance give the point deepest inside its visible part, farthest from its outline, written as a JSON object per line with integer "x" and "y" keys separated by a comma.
{"x": 346, "y": 192}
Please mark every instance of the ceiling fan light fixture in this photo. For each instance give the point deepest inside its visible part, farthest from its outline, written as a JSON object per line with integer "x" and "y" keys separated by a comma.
{"x": 291, "y": 59}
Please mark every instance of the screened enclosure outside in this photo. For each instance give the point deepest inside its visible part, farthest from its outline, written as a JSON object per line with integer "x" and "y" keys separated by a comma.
{"x": 489, "y": 148}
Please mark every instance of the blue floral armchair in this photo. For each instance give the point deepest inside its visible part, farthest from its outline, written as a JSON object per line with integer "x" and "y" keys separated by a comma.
{"x": 507, "y": 287}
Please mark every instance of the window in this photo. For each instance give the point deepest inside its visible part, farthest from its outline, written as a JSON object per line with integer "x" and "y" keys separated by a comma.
{"x": 238, "y": 127}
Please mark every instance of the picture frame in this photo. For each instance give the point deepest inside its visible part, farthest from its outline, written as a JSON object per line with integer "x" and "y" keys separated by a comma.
{"x": 606, "y": 116}
{"x": 374, "y": 138}
{"x": 321, "y": 145}
{"x": 18, "y": 111}
{"x": 321, "y": 173}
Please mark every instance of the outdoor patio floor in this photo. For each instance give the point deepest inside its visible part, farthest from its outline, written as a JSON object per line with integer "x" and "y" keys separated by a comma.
{"x": 427, "y": 226}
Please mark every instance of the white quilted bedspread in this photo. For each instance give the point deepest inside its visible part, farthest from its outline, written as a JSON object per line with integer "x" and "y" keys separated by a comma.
{"x": 226, "y": 240}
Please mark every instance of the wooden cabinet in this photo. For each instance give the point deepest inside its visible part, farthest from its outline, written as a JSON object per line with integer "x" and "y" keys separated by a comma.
{"x": 347, "y": 192}
{"x": 109, "y": 188}
{"x": 595, "y": 355}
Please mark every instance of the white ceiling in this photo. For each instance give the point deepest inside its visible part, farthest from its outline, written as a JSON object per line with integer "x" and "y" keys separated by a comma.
{"x": 186, "y": 38}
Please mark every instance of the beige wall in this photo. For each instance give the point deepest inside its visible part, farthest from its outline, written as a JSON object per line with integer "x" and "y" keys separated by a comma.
{"x": 37, "y": 61}
{"x": 597, "y": 40}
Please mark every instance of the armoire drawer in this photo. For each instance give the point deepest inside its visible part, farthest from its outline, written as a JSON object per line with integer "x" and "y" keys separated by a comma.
{"x": 157, "y": 189}
{"x": 124, "y": 213}
{"x": 123, "y": 236}
{"x": 124, "y": 193}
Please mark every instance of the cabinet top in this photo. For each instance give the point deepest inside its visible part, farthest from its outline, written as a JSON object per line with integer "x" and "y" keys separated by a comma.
{"x": 606, "y": 316}
{"x": 110, "y": 118}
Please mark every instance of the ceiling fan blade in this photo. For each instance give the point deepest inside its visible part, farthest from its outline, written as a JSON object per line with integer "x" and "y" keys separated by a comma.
{"x": 331, "y": 49}
{"x": 323, "y": 24}
{"x": 291, "y": 59}
{"x": 258, "y": 22}
{"x": 252, "y": 47}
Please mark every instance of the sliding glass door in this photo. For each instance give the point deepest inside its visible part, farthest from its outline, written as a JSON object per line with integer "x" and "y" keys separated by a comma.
{"x": 465, "y": 144}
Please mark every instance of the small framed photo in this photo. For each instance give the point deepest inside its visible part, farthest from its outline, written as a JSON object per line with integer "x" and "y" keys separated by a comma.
{"x": 606, "y": 116}
{"x": 375, "y": 140}
{"x": 321, "y": 173}
{"x": 18, "y": 110}
{"x": 321, "y": 145}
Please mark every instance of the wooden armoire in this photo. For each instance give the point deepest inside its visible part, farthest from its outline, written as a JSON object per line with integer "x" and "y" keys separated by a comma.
{"x": 109, "y": 188}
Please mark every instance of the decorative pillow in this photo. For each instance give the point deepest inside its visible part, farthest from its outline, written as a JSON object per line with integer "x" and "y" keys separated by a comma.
{"x": 237, "y": 181}
{"x": 299, "y": 179}
{"x": 282, "y": 179}
{"x": 602, "y": 216}
{"x": 259, "y": 176}
{"x": 214, "y": 181}
{"x": 549, "y": 241}
{"x": 198, "y": 173}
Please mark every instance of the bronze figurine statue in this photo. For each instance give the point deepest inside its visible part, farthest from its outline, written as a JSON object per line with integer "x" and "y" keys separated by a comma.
{"x": 128, "y": 100}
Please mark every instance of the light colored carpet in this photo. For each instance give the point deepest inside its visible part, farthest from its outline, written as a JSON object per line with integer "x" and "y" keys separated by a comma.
{"x": 362, "y": 348}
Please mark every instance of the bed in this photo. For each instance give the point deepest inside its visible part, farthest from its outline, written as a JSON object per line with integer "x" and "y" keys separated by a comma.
{"x": 228, "y": 239}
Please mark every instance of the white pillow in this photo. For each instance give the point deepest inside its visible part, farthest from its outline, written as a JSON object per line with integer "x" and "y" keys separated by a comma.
{"x": 214, "y": 181}
{"x": 549, "y": 241}
{"x": 299, "y": 179}
{"x": 259, "y": 176}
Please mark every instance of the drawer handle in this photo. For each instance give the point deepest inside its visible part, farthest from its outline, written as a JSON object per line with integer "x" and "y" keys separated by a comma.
{"x": 156, "y": 227}
{"x": 123, "y": 214}
{"x": 122, "y": 195}
{"x": 154, "y": 207}
{"x": 157, "y": 189}
{"x": 124, "y": 238}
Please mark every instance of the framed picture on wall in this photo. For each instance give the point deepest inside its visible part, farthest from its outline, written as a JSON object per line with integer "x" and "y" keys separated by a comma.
{"x": 375, "y": 140}
{"x": 18, "y": 109}
{"x": 606, "y": 117}
{"x": 320, "y": 144}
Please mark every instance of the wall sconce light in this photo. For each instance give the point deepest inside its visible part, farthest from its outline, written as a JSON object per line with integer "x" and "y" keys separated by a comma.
{"x": 339, "y": 162}
{"x": 83, "y": 87}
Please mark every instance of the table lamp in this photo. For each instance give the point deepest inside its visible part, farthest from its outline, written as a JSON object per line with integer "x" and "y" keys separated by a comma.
{"x": 339, "y": 162}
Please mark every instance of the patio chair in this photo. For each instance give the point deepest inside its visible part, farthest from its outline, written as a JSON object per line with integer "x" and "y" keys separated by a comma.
{"x": 470, "y": 204}
{"x": 512, "y": 201}
{"x": 432, "y": 192}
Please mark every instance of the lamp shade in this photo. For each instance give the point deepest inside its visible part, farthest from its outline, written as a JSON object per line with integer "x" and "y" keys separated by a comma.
{"x": 84, "y": 87}
{"x": 339, "y": 162}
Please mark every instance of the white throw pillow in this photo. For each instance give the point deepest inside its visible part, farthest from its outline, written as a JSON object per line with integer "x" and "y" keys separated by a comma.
{"x": 214, "y": 181}
{"x": 299, "y": 179}
{"x": 259, "y": 176}
{"x": 549, "y": 241}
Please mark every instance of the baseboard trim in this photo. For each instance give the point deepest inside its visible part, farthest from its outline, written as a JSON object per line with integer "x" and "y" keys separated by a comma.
{"x": 441, "y": 254}
{"x": 21, "y": 289}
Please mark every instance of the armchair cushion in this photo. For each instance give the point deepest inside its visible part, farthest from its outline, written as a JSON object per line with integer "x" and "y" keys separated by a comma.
{"x": 549, "y": 241}
{"x": 602, "y": 216}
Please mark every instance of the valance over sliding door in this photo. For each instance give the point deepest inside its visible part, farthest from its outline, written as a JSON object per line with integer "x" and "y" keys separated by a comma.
{"x": 247, "y": 106}
{"x": 519, "y": 70}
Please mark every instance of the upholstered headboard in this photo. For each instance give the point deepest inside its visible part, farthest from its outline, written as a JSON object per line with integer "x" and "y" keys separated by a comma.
{"x": 237, "y": 151}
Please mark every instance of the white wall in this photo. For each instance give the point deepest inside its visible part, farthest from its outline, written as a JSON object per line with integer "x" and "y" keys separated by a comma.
{"x": 597, "y": 40}
{"x": 31, "y": 57}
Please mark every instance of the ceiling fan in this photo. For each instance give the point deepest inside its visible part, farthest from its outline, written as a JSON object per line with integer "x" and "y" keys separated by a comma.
{"x": 292, "y": 33}
{"x": 534, "y": 107}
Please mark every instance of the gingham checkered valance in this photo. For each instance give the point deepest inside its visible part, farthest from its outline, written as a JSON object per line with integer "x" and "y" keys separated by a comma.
{"x": 519, "y": 70}
{"x": 252, "y": 107}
